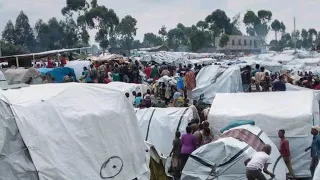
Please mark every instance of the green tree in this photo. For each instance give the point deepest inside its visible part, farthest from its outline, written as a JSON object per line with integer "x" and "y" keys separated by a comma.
{"x": 24, "y": 32}
{"x": 202, "y": 25}
{"x": 136, "y": 44}
{"x": 276, "y": 26}
{"x": 56, "y": 34}
{"x": 234, "y": 25}
{"x": 219, "y": 19}
{"x": 282, "y": 28}
{"x": 70, "y": 35}
{"x": 42, "y": 32}
{"x": 286, "y": 41}
{"x": 312, "y": 36}
{"x": 305, "y": 35}
{"x": 265, "y": 16}
{"x": 81, "y": 8}
{"x": 9, "y": 49}
{"x": 127, "y": 31}
{"x": 8, "y": 35}
{"x": 178, "y": 36}
{"x": 224, "y": 40}
{"x": 251, "y": 20}
{"x": 104, "y": 20}
{"x": 150, "y": 40}
{"x": 197, "y": 39}
{"x": 163, "y": 32}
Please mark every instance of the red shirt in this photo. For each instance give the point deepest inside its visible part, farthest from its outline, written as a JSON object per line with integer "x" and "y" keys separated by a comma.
{"x": 190, "y": 80}
{"x": 49, "y": 65}
{"x": 317, "y": 87}
{"x": 107, "y": 80}
{"x": 284, "y": 148}
{"x": 147, "y": 71}
{"x": 63, "y": 61}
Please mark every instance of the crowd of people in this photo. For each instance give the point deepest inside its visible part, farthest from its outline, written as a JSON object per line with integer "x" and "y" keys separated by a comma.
{"x": 259, "y": 80}
{"x": 199, "y": 134}
{"x": 159, "y": 94}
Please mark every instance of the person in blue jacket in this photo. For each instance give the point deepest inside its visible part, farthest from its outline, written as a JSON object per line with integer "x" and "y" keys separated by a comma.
{"x": 180, "y": 85}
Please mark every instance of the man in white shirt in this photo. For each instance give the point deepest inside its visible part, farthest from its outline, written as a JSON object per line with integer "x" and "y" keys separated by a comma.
{"x": 258, "y": 162}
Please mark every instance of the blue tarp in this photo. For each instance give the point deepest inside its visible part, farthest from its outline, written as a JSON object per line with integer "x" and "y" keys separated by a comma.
{"x": 58, "y": 73}
{"x": 237, "y": 123}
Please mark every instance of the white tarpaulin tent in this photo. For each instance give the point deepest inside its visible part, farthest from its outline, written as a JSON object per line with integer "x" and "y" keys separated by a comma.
{"x": 22, "y": 75}
{"x": 293, "y": 111}
{"x": 159, "y": 125}
{"x": 224, "y": 158}
{"x": 317, "y": 173}
{"x": 167, "y": 57}
{"x": 128, "y": 88}
{"x": 217, "y": 79}
{"x": 72, "y": 131}
{"x": 272, "y": 66}
{"x": 77, "y": 66}
{"x": 3, "y": 80}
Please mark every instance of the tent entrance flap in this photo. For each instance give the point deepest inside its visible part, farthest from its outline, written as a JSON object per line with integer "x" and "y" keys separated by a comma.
{"x": 13, "y": 149}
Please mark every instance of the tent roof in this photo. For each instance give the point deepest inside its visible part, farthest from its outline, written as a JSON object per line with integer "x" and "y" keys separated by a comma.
{"x": 224, "y": 149}
{"x": 294, "y": 110}
{"x": 79, "y": 127}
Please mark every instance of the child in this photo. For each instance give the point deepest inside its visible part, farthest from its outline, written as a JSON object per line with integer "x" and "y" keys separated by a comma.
{"x": 175, "y": 153}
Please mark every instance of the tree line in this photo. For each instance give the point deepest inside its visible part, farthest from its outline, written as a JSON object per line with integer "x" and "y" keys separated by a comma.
{"x": 81, "y": 16}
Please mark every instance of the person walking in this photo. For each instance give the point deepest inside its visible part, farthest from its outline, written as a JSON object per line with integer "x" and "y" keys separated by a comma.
{"x": 246, "y": 79}
{"x": 175, "y": 153}
{"x": 315, "y": 149}
{"x": 285, "y": 151}
{"x": 190, "y": 84}
{"x": 188, "y": 145}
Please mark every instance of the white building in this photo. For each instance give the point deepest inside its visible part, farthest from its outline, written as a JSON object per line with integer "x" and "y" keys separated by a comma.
{"x": 247, "y": 44}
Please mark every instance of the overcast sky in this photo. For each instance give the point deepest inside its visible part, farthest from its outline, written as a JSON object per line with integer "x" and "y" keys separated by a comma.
{"x": 152, "y": 14}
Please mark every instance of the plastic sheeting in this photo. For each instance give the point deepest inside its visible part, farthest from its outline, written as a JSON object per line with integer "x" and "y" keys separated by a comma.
{"x": 15, "y": 160}
{"x": 167, "y": 57}
{"x": 78, "y": 66}
{"x": 293, "y": 111}
{"x": 159, "y": 125}
{"x": 217, "y": 79}
{"x": 3, "y": 80}
{"x": 21, "y": 75}
{"x": 202, "y": 61}
{"x": 209, "y": 159}
{"x": 317, "y": 173}
{"x": 58, "y": 73}
{"x": 128, "y": 88}
{"x": 78, "y": 131}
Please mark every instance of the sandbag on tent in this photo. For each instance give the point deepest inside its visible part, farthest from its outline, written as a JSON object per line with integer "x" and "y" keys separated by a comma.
{"x": 77, "y": 66}
{"x": 217, "y": 79}
{"x": 78, "y": 131}
{"x": 58, "y": 73}
{"x": 293, "y": 111}
{"x": 21, "y": 75}
{"x": 128, "y": 88}
{"x": 159, "y": 125}
{"x": 224, "y": 158}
